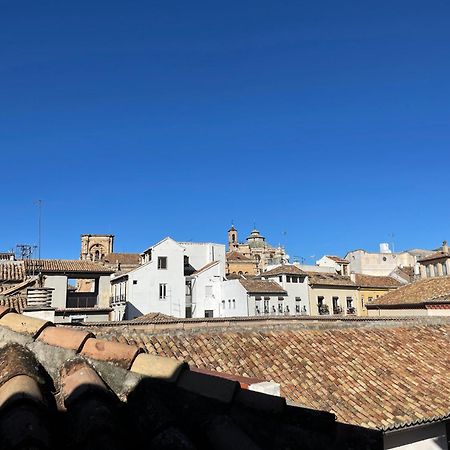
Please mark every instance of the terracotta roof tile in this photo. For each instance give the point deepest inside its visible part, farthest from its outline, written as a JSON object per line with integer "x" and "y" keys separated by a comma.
{"x": 100, "y": 405}
{"x": 429, "y": 290}
{"x": 262, "y": 287}
{"x": 373, "y": 281}
{"x": 12, "y": 271}
{"x": 237, "y": 256}
{"x": 377, "y": 377}
{"x": 288, "y": 269}
{"x": 122, "y": 258}
{"x": 329, "y": 279}
{"x": 34, "y": 266}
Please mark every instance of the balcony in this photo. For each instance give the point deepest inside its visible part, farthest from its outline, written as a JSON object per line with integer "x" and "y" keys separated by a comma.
{"x": 323, "y": 309}
{"x": 351, "y": 310}
{"x": 338, "y": 310}
{"x": 81, "y": 300}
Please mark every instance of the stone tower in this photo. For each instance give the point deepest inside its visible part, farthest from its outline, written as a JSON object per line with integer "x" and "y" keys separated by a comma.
{"x": 233, "y": 242}
{"x": 94, "y": 247}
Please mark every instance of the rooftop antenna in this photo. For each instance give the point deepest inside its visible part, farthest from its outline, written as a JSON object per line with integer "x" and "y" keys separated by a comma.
{"x": 25, "y": 250}
{"x": 392, "y": 236}
{"x": 39, "y": 205}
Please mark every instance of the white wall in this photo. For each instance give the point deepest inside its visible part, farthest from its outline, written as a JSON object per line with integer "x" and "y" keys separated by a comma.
{"x": 143, "y": 283}
{"x": 202, "y": 253}
{"x": 233, "y": 290}
{"x": 381, "y": 264}
{"x": 294, "y": 290}
{"x": 430, "y": 437}
{"x": 206, "y": 291}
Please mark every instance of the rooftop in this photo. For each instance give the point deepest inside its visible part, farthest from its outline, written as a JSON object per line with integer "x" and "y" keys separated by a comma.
{"x": 34, "y": 266}
{"x": 338, "y": 259}
{"x": 237, "y": 256}
{"x": 66, "y": 388}
{"x": 329, "y": 279}
{"x": 429, "y": 290}
{"x": 122, "y": 258}
{"x": 288, "y": 269}
{"x": 373, "y": 281}
{"x": 262, "y": 287}
{"x": 380, "y": 374}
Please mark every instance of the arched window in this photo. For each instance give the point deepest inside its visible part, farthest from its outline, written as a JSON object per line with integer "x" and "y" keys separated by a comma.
{"x": 233, "y": 238}
{"x": 97, "y": 255}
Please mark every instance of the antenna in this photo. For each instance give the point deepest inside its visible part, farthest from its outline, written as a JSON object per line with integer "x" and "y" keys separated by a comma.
{"x": 39, "y": 205}
{"x": 392, "y": 236}
{"x": 24, "y": 251}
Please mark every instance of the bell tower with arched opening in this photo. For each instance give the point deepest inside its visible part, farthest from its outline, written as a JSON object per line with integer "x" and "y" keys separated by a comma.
{"x": 233, "y": 242}
{"x": 94, "y": 247}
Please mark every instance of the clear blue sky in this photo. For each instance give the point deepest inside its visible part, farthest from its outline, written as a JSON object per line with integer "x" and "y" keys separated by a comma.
{"x": 325, "y": 122}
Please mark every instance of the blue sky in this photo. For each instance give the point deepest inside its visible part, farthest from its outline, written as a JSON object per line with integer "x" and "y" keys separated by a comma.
{"x": 326, "y": 123}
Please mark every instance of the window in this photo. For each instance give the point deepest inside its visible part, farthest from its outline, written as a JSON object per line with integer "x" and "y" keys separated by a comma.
{"x": 294, "y": 279}
{"x": 162, "y": 262}
{"x": 436, "y": 270}
{"x": 229, "y": 303}
{"x": 162, "y": 291}
{"x": 280, "y": 278}
{"x": 280, "y": 307}
{"x": 319, "y": 301}
{"x": 234, "y": 303}
{"x": 266, "y": 305}
{"x": 209, "y": 313}
{"x": 335, "y": 302}
{"x": 134, "y": 281}
{"x": 370, "y": 299}
{"x": 188, "y": 312}
{"x": 444, "y": 269}
{"x": 428, "y": 269}
{"x": 297, "y": 305}
{"x": 349, "y": 302}
{"x": 288, "y": 279}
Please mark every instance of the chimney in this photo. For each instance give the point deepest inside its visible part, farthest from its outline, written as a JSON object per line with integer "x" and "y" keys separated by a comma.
{"x": 444, "y": 247}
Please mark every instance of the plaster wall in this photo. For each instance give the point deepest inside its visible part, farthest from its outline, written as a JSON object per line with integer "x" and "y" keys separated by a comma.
{"x": 206, "y": 291}
{"x": 328, "y": 293}
{"x": 104, "y": 291}
{"x": 233, "y": 290}
{"x": 294, "y": 290}
{"x": 143, "y": 283}
{"x": 59, "y": 284}
{"x": 202, "y": 253}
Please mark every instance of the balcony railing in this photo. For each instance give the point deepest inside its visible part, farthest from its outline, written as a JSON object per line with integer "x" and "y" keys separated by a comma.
{"x": 351, "y": 310}
{"x": 323, "y": 309}
{"x": 81, "y": 301}
{"x": 338, "y": 310}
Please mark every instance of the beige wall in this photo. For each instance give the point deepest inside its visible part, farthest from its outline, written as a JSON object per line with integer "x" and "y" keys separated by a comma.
{"x": 365, "y": 293}
{"x": 328, "y": 293}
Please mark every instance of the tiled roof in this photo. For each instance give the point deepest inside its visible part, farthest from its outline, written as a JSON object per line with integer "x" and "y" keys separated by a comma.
{"x": 154, "y": 318}
{"x": 338, "y": 259}
{"x": 12, "y": 271}
{"x": 288, "y": 269}
{"x": 262, "y": 287}
{"x": 435, "y": 255}
{"x": 373, "y": 281}
{"x": 64, "y": 388}
{"x": 380, "y": 377}
{"x": 236, "y": 256}
{"x": 17, "y": 302}
{"x": 329, "y": 279}
{"x": 123, "y": 258}
{"x": 429, "y": 290}
{"x": 35, "y": 266}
